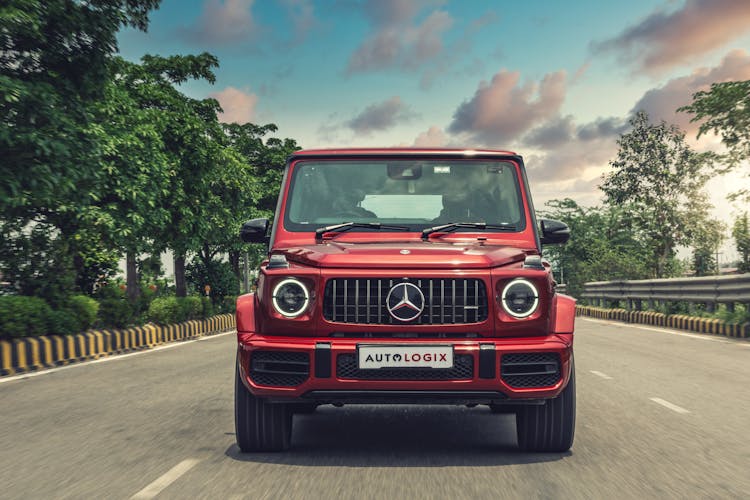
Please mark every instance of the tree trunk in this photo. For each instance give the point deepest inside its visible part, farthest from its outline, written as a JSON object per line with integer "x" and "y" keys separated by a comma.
{"x": 234, "y": 261}
{"x": 663, "y": 262}
{"x": 131, "y": 276}
{"x": 205, "y": 256}
{"x": 179, "y": 275}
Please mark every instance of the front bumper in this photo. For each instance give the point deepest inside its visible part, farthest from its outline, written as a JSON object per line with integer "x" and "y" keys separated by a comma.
{"x": 486, "y": 381}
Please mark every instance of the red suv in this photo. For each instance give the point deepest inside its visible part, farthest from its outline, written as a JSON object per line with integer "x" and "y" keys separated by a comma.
{"x": 405, "y": 276}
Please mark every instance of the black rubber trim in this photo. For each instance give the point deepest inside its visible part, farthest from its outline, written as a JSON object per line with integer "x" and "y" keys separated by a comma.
{"x": 487, "y": 361}
{"x": 458, "y": 154}
{"x": 405, "y": 397}
{"x": 323, "y": 360}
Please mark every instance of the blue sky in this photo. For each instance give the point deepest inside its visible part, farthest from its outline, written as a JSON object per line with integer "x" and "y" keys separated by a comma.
{"x": 552, "y": 80}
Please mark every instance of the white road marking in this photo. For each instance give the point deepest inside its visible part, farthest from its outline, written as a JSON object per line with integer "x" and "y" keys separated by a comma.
{"x": 671, "y": 406}
{"x": 112, "y": 357}
{"x": 600, "y": 374}
{"x": 166, "y": 479}
{"x": 705, "y": 337}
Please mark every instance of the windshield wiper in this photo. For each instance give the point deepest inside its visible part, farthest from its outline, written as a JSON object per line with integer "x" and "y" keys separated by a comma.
{"x": 449, "y": 228}
{"x": 340, "y": 228}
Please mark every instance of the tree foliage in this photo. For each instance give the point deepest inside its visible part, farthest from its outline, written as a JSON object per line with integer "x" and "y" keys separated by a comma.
{"x": 725, "y": 110}
{"x": 158, "y": 146}
{"x": 53, "y": 59}
{"x": 104, "y": 157}
{"x": 655, "y": 177}
{"x": 604, "y": 245}
{"x": 741, "y": 235}
{"x": 266, "y": 160}
{"x": 707, "y": 235}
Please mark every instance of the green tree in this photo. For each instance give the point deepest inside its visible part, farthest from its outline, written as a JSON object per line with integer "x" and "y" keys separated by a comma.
{"x": 266, "y": 161}
{"x": 604, "y": 245}
{"x": 195, "y": 140}
{"x": 655, "y": 176}
{"x": 136, "y": 170}
{"x": 741, "y": 235}
{"x": 53, "y": 64}
{"x": 160, "y": 148}
{"x": 706, "y": 234}
{"x": 218, "y": 275}
{"x": 725, "y": 110}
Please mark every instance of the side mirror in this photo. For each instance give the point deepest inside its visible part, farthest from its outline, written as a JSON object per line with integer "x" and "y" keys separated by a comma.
{"x": 254, "y": 231}
{"x": 554, "y": 231}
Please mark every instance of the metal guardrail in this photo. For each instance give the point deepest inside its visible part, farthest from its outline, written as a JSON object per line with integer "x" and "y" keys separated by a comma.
{"x": 708, "y": 290}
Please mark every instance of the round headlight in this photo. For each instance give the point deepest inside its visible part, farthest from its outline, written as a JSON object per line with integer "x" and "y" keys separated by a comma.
{"x": 290, "y": 298}
{"x": 520, "y": 298}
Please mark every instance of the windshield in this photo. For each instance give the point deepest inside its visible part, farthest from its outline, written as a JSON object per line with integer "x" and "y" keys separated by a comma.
{"x": 413, "y": 193}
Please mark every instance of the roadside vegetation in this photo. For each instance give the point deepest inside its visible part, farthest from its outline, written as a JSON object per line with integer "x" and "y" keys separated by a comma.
{"x": 106, "y": 159}
{"x": 654, "y": 202}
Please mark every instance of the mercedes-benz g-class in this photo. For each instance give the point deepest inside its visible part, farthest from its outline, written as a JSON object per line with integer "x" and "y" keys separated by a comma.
{"x": 405, "y": 276}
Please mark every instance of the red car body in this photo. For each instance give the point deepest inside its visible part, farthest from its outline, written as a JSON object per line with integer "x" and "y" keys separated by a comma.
{"x": 478, "y": 258}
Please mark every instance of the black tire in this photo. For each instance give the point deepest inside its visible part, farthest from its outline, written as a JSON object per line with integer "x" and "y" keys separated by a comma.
{"x": 259, "y": 425}
{"x": 549, "y": 427}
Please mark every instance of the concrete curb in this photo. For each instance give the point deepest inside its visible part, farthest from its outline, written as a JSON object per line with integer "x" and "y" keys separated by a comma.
{"x": 677, "y": 321}
{"x": 33, "y": 353}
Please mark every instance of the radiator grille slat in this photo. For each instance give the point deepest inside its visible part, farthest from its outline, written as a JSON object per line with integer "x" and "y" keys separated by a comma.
{"x": 447, "y": 301}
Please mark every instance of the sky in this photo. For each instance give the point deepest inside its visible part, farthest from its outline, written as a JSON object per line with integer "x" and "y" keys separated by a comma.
{"x": 554, "y": 81}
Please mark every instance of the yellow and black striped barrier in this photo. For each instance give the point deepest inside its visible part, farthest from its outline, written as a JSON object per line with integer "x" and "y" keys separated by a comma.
{"x": 33, "y": 353}
{"x": 710, "y": 326}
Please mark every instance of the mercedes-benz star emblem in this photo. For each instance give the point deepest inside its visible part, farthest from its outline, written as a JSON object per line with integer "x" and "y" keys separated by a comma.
{"x": 405, "y": 302}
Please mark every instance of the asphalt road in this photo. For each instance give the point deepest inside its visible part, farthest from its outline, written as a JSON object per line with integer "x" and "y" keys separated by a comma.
{"x": 660, "y": 415}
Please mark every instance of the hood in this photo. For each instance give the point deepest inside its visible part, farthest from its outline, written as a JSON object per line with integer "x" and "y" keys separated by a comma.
{"x": 411, "y": 255}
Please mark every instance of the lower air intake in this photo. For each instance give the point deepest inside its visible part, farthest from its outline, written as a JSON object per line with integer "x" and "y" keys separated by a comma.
{"x": 279, "y": 368}
{"x": 525, "y": 370}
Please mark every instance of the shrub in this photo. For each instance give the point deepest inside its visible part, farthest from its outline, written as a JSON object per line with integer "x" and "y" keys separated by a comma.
{"x": 63, "y": 322}
{"x": 208, "y": 307}
{"x": 116, "y": 312}
{"x": 85, "y": 309}
{"x": 192, "y": 307}
{"x": 165, "y": 310}
{"x": 112, "y": 290}
{"x": 739, "y": 316}
{"x": 228, "y": 305}
{"x": 218, "y": 275}
{"x": 22, "y": 316}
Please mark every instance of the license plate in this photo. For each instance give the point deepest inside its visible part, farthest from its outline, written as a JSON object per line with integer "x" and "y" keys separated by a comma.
{"x": 373, "y": 357}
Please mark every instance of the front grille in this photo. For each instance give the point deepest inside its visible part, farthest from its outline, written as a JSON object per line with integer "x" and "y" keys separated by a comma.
{"x": 537, "y": 369}
{"x": 279, "y": 368}
{"x": 463, "y": 369}
{"x": 447, "y": 301}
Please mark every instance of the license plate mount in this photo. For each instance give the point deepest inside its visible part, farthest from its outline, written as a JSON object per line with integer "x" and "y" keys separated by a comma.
{"x": 379, "y": 356}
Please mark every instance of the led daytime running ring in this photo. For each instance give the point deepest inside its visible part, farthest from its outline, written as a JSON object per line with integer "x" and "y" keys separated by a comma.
{"x": 276, "y": 304}
{"x": 533, "y": 306}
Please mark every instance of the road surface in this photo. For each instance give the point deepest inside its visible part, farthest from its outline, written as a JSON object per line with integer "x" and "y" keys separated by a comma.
{"x": 660, "y": 415}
